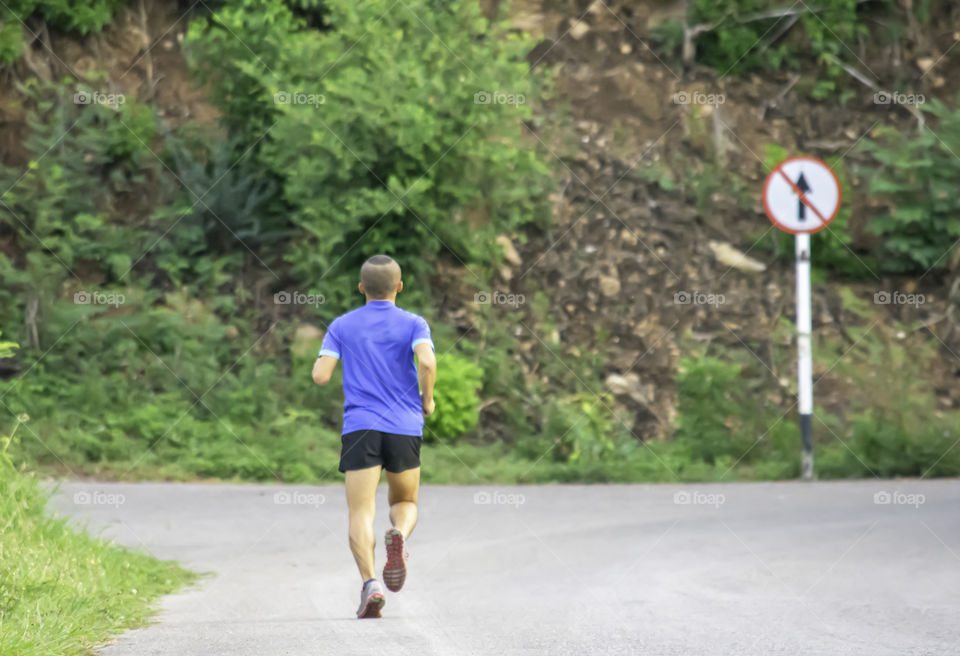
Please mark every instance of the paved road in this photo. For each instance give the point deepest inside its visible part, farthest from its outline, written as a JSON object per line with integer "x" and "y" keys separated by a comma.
{"x": 783, "y": 568}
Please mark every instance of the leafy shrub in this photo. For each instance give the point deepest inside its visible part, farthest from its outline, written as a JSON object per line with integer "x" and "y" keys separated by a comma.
{"x": 582, "y": 428}
{"x": 710, "y": 398}
{"x": 7, "y": 348}
{"x": 727, "y": 423}
{"x": 737, "y": 41}
{"x": 916, "y": 174}
{"x": 78, "y": 15}
{"x": 894, "y": 426}
{"x": 376, "y": 128}
{"x": 458, "y": 404}
{"x": 63, "y": 205}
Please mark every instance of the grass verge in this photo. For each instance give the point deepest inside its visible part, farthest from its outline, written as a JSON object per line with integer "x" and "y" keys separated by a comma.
{"x": 63, "y": 591}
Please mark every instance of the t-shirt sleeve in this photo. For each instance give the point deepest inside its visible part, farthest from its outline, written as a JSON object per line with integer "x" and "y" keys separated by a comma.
{"x": 421, "y": 334}
{"x": 331, "y": 342}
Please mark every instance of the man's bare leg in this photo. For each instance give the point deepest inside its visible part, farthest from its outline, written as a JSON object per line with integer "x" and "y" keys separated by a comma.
{"x": 404, "y": 488}
{"x": 361, "y": 486}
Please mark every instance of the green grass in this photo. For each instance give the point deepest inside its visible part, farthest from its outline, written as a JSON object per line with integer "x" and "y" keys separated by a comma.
{"x": 63, "y": 591}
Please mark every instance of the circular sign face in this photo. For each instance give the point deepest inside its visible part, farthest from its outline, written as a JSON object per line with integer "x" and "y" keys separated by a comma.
{"x": 801, "y": 195}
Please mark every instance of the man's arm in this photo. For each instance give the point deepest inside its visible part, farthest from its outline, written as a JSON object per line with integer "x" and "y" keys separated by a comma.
{"x": 323, "y": 369}
{"x": 427, "y": 374}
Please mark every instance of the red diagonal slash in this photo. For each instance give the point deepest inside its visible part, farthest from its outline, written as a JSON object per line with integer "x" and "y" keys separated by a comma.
{"x": 803, "y": 196}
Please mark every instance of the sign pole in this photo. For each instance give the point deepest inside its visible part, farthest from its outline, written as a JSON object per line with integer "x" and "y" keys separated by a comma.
{"x": 804, "y": 355}
{"x": 802, "y": 195}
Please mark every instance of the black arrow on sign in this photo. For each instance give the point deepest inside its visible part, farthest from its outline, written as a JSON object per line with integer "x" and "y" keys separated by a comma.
{"x": 801, "y": 206}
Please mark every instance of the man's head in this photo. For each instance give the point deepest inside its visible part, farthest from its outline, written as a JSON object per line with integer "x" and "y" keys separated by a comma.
{"x": 380, "y": 278}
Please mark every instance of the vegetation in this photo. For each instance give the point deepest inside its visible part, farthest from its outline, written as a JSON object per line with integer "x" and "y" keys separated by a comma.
{"x": 61, "y": 591}
{"x": 142, "y": 265}
{"x": 82, "y": 16}
{"x": 916, "y": 177}
{"x": 382, "y": 135}
{"x": 168, "y": 285}
{"x": 739, "y": 36}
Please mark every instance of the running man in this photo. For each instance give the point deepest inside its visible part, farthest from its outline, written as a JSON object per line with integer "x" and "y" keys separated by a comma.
{"x": 386, "y": 398}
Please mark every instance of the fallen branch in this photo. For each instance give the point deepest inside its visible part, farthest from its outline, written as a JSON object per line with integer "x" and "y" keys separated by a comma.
{"x": 690, "y": 32}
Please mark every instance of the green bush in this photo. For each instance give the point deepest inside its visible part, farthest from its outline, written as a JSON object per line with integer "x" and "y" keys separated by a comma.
{"x": 710, "y": 398}
{"x": 376, "y": 129}
{"x": 894, "y": 426}
{"x": 726, "y": 423}
{"x": 63, "y": 207}
{"x": 7, "y": 349}
{"x": 76, "y": 15}
{"x": 458, "y": 404}
{"x": 916, "y": 175}
{"x": 737, "y": 43}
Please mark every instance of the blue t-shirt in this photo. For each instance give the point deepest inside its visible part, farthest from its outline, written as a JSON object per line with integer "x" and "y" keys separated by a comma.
{"x": 380, "y": 387}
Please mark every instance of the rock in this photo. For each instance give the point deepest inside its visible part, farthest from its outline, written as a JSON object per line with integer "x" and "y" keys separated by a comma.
{"x": 730, "y": 256}
{"x": 925, "y": 63}
{"x": 627, "y": 385}
{"x": 609, "y": 286}
{"x": 509, "y": 251}
{"x": 578, "y": 29}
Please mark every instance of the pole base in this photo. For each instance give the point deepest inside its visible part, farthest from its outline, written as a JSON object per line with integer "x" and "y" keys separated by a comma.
{"x": 806, "y": 435}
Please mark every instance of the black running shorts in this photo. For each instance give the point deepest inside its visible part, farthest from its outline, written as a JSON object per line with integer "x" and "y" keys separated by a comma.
{"x": 368, "y": 448}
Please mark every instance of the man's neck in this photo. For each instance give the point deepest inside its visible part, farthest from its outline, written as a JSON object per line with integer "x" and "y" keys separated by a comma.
{"x": 392, "y": 299}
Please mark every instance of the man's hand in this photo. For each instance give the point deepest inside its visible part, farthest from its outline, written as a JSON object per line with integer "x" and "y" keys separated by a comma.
{"x": 428, "y": 406}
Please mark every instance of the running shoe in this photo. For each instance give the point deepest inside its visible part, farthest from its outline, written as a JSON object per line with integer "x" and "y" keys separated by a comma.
{"x": 395, "y": 571}
{"x": 371, "y": 600}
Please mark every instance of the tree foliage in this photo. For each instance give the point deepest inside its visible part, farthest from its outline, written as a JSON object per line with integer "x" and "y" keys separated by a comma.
{"x": 76, "y": 15}
{"x": 916, "y": 175}
{"x": 397, "y": 128}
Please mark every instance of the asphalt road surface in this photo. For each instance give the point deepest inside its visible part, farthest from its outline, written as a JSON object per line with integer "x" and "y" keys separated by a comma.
{"x": 867, "y": 568}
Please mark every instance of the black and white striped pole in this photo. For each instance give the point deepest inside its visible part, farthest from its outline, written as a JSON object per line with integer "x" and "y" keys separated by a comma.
{"x": 801, "y": 195}
{"x": 804, "y": 354}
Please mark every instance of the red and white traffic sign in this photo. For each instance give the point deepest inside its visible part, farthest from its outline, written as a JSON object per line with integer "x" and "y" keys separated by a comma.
{"x": 801, "y": 195}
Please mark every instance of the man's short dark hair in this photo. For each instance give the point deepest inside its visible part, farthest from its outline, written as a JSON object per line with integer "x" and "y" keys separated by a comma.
{"x": 380, "y": 276}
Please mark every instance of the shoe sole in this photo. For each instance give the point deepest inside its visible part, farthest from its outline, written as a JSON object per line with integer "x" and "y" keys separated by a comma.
{"x": 374, "y": 605}
{"x": 395, "y": 571}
